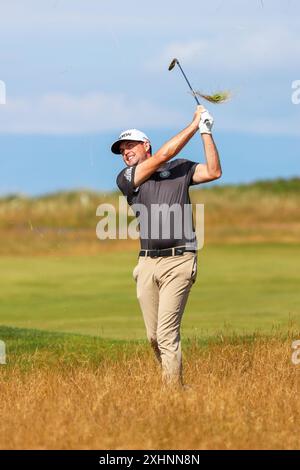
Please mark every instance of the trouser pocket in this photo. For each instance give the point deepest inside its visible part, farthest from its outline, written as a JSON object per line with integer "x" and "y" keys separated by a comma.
{"x": 194, "y": 270}
{"x": 135, "y": 272}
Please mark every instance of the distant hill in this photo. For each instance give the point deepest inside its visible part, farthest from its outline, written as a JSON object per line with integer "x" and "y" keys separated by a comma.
{"x": 65, "y": 222}
{"x": 277, "y": 186}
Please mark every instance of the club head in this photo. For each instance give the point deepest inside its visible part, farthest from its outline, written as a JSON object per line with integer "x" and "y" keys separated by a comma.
{"x": 172, "y": 64}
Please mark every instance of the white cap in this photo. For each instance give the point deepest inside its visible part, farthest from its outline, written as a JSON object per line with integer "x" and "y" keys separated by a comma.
{"x": 130, "y": 134}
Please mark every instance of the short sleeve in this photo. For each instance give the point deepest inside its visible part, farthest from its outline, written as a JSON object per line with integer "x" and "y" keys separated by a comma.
{"x": 125, "y": 181}
{"x": 190, "y": 170}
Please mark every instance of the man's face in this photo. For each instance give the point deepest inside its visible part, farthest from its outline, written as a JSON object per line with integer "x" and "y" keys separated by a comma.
{"x": 134, "y": 152}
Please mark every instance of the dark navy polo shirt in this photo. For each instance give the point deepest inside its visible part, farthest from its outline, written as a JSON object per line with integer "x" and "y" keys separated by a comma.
{"x": 162, "y": 204}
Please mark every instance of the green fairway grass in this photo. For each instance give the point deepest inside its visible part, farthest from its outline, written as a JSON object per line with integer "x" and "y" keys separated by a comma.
{"x": 31, "y": 347}
{"x": 241, "y": 288}
{"x": 26, "y": 347}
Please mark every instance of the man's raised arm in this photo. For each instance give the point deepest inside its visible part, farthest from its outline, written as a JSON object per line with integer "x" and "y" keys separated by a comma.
{"x": 211, "y": 170}
{"x": 169, "y": 150}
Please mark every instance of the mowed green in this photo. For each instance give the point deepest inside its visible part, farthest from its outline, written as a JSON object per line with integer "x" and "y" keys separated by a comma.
{"x": 240, "y": 288}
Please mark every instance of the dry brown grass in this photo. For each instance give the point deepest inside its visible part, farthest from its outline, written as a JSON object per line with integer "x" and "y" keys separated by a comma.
{"x": 65, "y": 223}
{"x": 244, "y": 396}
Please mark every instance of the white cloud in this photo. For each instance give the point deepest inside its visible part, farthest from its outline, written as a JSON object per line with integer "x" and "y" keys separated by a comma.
{"x": 65, "y": 16}
{"x": 243, "y": 46}
{"x": 191, "y": 52}
{"x": 267, "y": 47}
{"x": 19, "y": 16}
{"x": 261, "y": 125}
{"x": 60, "y": 113}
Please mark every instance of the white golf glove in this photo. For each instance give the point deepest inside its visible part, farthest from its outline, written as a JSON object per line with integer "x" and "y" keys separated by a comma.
{"x": 206, "y": 123}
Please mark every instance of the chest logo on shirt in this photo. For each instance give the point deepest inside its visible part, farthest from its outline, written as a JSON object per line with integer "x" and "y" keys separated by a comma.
{"x": 165, "y": 174}
{"x": 128, "y": 174}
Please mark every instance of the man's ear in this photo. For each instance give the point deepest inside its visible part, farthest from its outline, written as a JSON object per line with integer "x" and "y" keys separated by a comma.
{"x": 147, "y": 145}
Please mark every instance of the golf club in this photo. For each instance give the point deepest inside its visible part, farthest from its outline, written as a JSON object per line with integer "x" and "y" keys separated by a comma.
{"x": 216, "y": 98}
{"x": 172, "y": 65}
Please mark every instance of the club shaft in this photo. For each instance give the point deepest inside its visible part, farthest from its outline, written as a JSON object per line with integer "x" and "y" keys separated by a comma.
{"x": 190, "y": 86}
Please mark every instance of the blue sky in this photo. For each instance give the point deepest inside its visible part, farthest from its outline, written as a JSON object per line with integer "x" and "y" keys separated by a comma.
{"x": 78, "y": 72}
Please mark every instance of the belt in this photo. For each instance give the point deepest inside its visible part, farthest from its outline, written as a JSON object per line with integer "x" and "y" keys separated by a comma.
{"x": 166, "y": 252}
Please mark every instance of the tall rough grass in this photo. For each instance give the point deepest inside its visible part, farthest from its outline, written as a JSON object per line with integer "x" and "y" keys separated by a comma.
{"x": 242, "y": 396}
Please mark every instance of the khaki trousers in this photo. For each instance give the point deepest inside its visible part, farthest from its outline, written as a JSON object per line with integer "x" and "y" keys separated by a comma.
{"x": 163, "y": 286}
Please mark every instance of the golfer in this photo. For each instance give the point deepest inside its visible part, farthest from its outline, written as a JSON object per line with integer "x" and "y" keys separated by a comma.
{"x": 157, "y": 189}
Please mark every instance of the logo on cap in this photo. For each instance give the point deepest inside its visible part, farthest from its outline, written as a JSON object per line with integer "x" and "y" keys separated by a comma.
{"x": 126, "y": 134}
